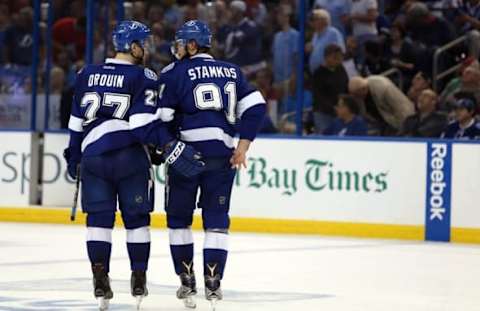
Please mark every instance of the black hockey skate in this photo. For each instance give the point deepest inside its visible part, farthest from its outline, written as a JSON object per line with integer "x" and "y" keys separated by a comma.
{"x": 138, "y": 284}
{"x": 213, "y": 292}
{"x": 101, "y": 286}
{"x": 188, "y": 287}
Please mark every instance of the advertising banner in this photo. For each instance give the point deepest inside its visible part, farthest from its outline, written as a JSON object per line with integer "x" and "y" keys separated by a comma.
{"x": 466, "y": 186}
{"x": 15, "y": 168}
{"x": 301, "y": 179}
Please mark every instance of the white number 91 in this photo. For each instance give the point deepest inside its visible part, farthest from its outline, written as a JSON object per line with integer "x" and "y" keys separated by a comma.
{"x": 208, "y": 96}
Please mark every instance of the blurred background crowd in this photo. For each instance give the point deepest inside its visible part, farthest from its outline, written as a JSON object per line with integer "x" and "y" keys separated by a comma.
{"x": 372, "y": 67}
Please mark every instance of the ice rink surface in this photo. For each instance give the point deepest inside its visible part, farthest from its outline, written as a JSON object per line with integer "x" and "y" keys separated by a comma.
{"x": 45, "y": 267}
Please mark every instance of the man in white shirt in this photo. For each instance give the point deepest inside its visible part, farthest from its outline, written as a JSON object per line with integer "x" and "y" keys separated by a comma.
{"x": 363, "y": 16}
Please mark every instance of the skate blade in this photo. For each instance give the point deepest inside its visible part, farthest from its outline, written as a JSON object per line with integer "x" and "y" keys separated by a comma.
{"x": 103, "y": 303}
{"x": 189, "y": 302}
{"x": 139, "y": 301}
{"x": 213, "y": 304}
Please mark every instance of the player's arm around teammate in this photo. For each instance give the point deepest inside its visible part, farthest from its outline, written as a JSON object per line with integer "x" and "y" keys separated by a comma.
{"x": 206, "y": 104}
{"x": 114, "y": 115}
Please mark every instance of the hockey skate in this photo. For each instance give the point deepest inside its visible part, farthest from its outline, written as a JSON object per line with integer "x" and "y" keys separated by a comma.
{"x": 101, "y": 286}
{"x": 213, "y": 292}
{"x": 188, "y": 287}
{"x": 138, "y": 283}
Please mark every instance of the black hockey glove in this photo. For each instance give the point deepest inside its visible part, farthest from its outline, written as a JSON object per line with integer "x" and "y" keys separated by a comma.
{"x": 183, "y": 159}
{"x": 155, "y": 155}
{"x": 73, "y": 160}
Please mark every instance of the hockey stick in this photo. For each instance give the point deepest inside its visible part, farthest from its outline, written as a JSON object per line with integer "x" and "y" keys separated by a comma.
{"x": 75, "y": 195}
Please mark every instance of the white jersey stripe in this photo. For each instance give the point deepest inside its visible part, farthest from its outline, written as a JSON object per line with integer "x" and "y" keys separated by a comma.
{"x": 166, "y": 114}
{"x": 103, "y": 129}
{"x": 180, "y": 236}
{"x": 207, "y": 133}
{"x": 138, "y": 235}
{"x": 249, "y": 101}
{"x": 216, "y": 240}
{"x": 75, "y": 124}
{"x": 99, "y": 234}
{"x": 141, "y": 119}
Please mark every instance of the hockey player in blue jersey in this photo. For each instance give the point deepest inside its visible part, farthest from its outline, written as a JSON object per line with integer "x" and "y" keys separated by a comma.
{"x": 206, "y": 103}
{"x": 114, "y": 114}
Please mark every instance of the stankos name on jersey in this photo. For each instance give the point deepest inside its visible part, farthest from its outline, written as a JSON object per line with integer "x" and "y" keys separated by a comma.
{"x": 208, "y": 72}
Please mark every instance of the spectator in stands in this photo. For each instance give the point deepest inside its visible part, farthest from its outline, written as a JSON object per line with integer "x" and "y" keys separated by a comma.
{"x": 324, "y": 34}
{"x": 155, "y": 13}
{"x": 402, "y": 52}
{"x": 243, "y": 41}
{"x": 173, "y": 14}
{"x": 350, "y": 61}
{"x": 219, "y": 17}
{"x": 427, "y": 122}
{"x": 328, "y": 82}
{"x": 375, "y": 61}
{"x": 465, "y": 126}
{"x": 469, "y": 19}
{"x": 420, "y": 83}
{"x": 4, "y": 24}
{"x": 468, "y": 15}
{"x": 383, "y": 105}
{"x": 57, "y": 80}
{"x": 348, "y": 122}
{"x": 195, "y": 9}
{"x": 19, "y": 39}
{"x": 70, "y": 70}
{"x": 428, "y": 32}
{"x": 289, "y": 102}
{"x": 469, "y": 81}
{"x": 160, "y": 54}
{"x": 339, "y": 11}
{"x": 139, "y": 11}
{"x": 363, "y": 18}
{"x": 68, "y": 34}
{"x": 257, "y": 11}
{"x": 284, "y": 48}
{"x": 264, "y": 83}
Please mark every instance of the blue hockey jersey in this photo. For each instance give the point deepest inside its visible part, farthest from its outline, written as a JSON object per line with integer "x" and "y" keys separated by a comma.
{"x": 206, "y": 102}
{"x": 454, "y": 130}
{"x": 114, "y": 106}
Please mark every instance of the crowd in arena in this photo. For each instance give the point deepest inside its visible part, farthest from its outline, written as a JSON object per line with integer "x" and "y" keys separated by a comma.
{"x": 370, "y": 65}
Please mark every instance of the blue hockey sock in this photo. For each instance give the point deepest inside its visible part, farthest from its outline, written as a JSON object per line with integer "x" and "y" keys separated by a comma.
{"x": 181, "y": 248}
{"x": 99, "y": 245}
{"x": 215, "y": 252}
{"x": 214, "y": 259}
{"x": 138, "y": 245}
{"x": 139, "y": 254}
{"x": 182, "y": 255}
{"x": 99, "y": 252}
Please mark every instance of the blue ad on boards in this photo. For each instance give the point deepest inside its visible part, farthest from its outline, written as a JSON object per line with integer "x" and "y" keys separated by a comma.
{"x": 438, "y": 199}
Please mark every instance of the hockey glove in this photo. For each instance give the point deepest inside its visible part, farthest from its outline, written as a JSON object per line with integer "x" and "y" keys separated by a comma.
{"x": 73, "y": 160}
{"x": 183, "y": 159}
{"x": 155, "y": 155}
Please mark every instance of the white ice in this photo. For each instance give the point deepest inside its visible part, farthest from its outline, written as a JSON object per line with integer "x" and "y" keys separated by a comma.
{"x": 45, "y": 267}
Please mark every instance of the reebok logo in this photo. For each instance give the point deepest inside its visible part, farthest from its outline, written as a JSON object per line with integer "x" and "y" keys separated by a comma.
{"x": 437, "y": 177}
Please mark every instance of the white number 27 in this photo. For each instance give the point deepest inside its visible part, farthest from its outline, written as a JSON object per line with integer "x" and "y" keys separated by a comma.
{"x": 208, "y": 96}
{"x": 93, "y": 101}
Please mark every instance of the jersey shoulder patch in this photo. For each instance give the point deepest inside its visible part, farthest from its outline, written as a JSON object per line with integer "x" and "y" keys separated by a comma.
{"x": 168, "y": 67}
{"x": 150, "y": 74}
